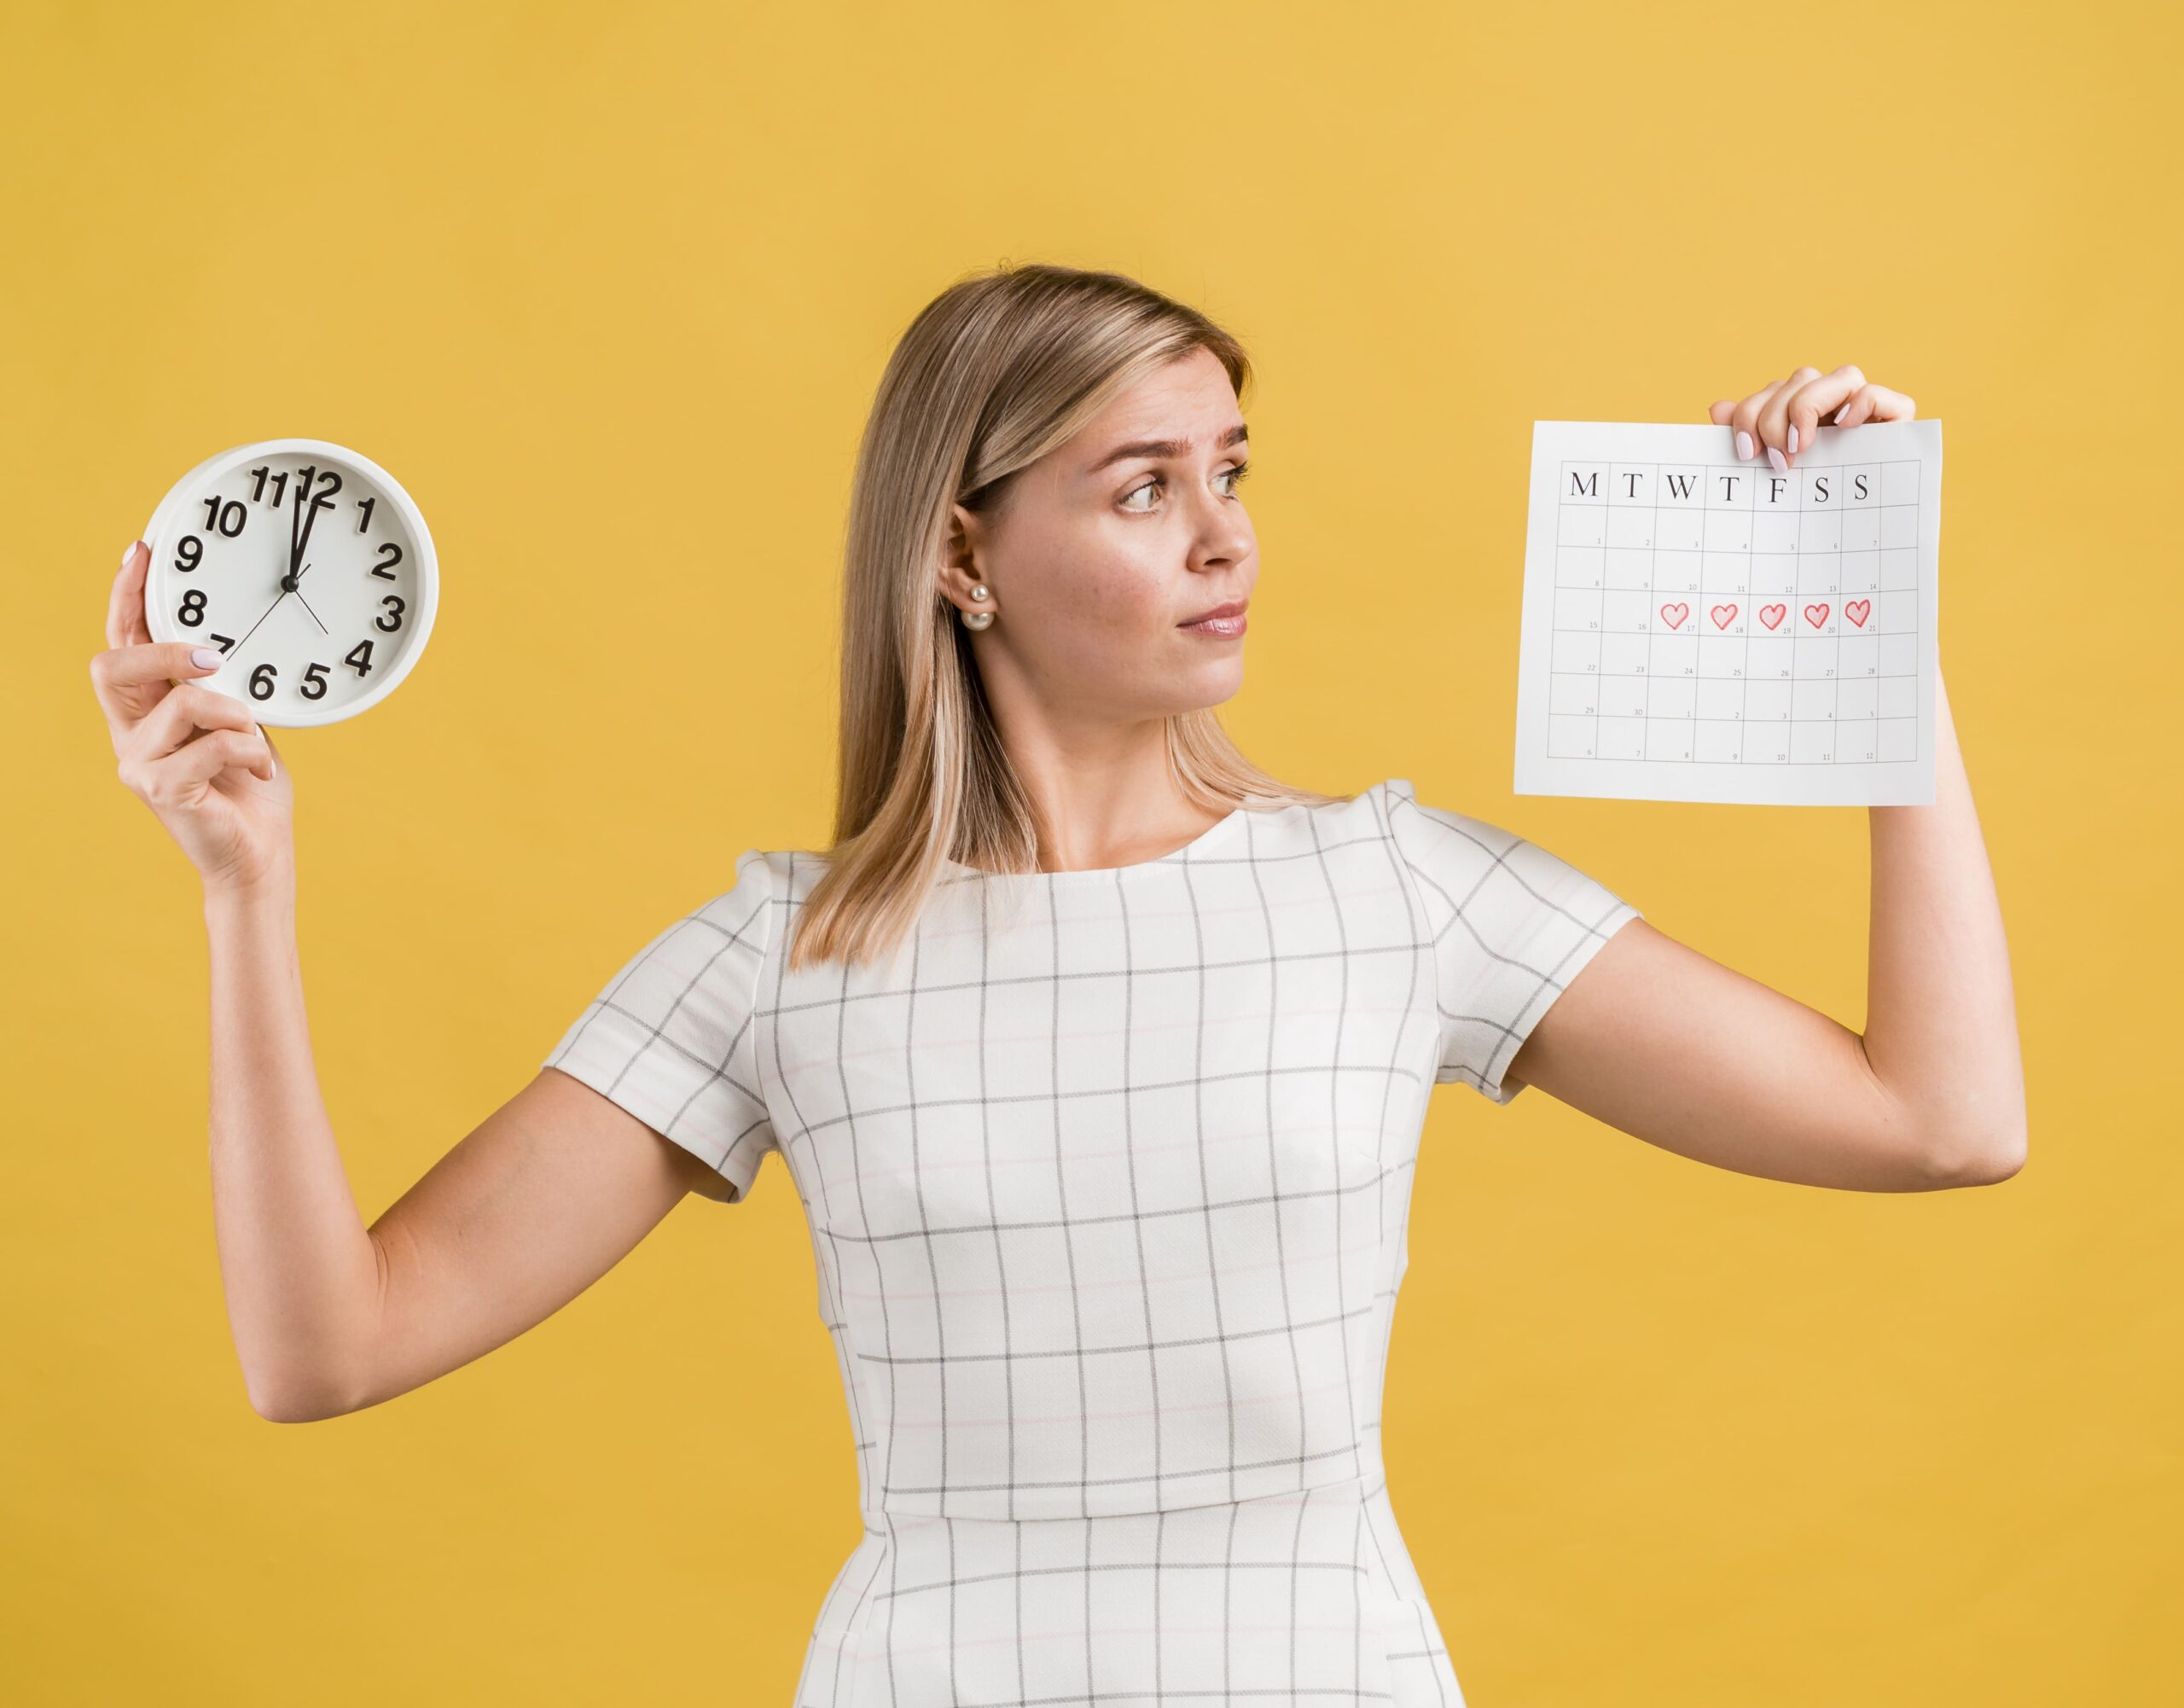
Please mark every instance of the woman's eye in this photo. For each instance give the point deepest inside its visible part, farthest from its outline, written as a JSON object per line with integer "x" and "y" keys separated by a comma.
{"x": 1234, "y": 476}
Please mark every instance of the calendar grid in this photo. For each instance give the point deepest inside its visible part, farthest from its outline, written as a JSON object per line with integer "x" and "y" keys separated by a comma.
{"x": 1779, "y": 621}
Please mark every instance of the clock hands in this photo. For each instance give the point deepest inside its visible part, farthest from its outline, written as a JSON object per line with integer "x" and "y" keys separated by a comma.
{"x": 299, "y": 524}
{"x": 295, "y": 539}
{"x": 307, "y": 509}
{"x": 237, "y": 651}
{"x": 304, "y": 602}
{"x": 288, "y": 586}
{"x": 311, "y": 516}
{"x": 299, "y": 527}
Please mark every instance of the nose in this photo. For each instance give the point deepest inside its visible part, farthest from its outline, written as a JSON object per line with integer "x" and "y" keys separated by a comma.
{"x": 1224, "y": 533}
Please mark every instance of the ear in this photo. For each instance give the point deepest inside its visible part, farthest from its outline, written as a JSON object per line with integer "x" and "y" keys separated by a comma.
{"x": 960, "y": 554}
{"x": 967, "y": 534}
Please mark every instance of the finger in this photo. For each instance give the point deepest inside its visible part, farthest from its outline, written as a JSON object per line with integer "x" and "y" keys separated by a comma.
{"x": 121, "y": 675}
{"x": 183, "y": 774}
{"x": 1872, "y": 403}
{"x": 176, "y": 719}
{"x": 250, "y": 750}
{"x": 1745, "y": 419}
{"x": 1719, "y": 413}
{"x": 1811, "y": 401}
{"x": 1772, "y": 427}
{"x": 124, "y": 604}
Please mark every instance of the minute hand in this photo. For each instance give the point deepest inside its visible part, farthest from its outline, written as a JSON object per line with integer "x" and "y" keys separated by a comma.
{"x": 311, "y": 516}
{"x": 295, "y": 527}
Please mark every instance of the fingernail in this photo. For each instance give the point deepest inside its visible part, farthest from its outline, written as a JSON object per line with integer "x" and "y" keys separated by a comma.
{"x": 205, "y": 659}
{"x": 1840, "y": 413}
{"x": 128, "y": 549}
{"x": 1793, "y": 438}
{"x": 1781, "y": 462}
{"x": 1744, "y": 444}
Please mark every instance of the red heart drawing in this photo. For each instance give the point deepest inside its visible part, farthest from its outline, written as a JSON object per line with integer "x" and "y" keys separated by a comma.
{"x": 1816, "y": 615}
{"x": 1723, "y": 615}
{"x": 1675, "y": 613}
{"x": 1855, "y": 610}
{"x": 1772, "y": 614}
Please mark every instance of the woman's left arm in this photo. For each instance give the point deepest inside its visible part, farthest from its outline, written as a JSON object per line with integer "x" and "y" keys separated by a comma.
{"x": 1674, "y": 1047}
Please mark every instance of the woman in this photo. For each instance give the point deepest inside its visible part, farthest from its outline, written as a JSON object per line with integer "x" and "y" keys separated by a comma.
{"x": 1097, "y": 1057}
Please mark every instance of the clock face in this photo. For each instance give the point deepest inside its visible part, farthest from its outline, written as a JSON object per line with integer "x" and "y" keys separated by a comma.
{"x": 305, "y": 565}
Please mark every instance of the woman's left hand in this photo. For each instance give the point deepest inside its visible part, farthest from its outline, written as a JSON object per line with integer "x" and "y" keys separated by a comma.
{"x": 1781, "y": 418}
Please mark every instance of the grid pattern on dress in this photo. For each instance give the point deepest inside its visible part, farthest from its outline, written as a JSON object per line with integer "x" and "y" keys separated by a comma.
{"x": 1107, "y": 1180}
{"x": 672, "y": 1037}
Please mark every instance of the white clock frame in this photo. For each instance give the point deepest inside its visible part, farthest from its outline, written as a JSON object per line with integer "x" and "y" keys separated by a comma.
{"x": 163, "y": 582}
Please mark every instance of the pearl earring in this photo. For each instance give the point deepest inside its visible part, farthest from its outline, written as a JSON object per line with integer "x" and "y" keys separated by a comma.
{"x": 977, "y": 619}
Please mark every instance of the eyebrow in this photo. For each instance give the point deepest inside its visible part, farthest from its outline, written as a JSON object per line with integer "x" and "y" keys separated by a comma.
{"x": 1166, "y": 447}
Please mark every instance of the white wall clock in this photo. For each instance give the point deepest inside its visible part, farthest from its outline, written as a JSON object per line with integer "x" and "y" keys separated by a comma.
{"x": 305, "y": 565}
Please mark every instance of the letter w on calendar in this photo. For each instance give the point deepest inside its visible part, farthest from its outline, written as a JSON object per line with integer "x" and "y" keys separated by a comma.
{"x": 1699, "y": 627}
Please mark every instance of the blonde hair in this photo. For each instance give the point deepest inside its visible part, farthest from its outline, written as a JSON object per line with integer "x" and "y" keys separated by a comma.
{"x": 994, "y": 372}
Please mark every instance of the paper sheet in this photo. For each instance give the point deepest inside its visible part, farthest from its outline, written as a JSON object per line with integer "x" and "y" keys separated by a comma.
{"x": 1699, "y": 627}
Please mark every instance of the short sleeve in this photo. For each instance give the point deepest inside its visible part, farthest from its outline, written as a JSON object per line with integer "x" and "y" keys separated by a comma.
{"x": 1511, "y": 923}
{"x": 672, "y": 1037}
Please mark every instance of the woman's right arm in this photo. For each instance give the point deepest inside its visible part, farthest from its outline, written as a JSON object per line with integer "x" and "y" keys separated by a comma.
{"x": 549, "y": 1193}
{"x": 520, "y": 1216}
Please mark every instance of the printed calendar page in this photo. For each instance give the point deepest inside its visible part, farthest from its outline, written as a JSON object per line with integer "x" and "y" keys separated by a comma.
{"x": 1699, "y": 627}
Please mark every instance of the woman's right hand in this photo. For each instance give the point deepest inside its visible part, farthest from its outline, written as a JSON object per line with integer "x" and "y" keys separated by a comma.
{"x": 196, "y": 757}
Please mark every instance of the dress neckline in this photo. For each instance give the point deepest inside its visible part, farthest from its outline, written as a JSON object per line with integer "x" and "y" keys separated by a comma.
{"x": 1174, "y": 856}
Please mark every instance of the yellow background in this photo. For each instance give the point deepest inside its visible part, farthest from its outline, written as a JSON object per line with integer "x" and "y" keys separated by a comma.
{"x": 608, "y": 289}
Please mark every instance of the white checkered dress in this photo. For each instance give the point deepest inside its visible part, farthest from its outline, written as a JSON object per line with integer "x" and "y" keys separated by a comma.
{"x": 1108, "y": 1180}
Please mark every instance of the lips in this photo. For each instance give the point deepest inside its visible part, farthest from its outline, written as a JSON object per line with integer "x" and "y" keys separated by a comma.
{"x": 1233, "y": 608}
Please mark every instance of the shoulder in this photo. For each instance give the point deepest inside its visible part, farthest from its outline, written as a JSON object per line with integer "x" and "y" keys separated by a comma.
{"x": 1493, "y": 896}
{"x": 1423, "y": 831}
{"x": 785, "y": 874}
{"x": 1471, "y": 864}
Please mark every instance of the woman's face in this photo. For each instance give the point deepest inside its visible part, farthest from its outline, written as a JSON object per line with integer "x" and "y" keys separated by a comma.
{"x": 1106, "y": 547}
